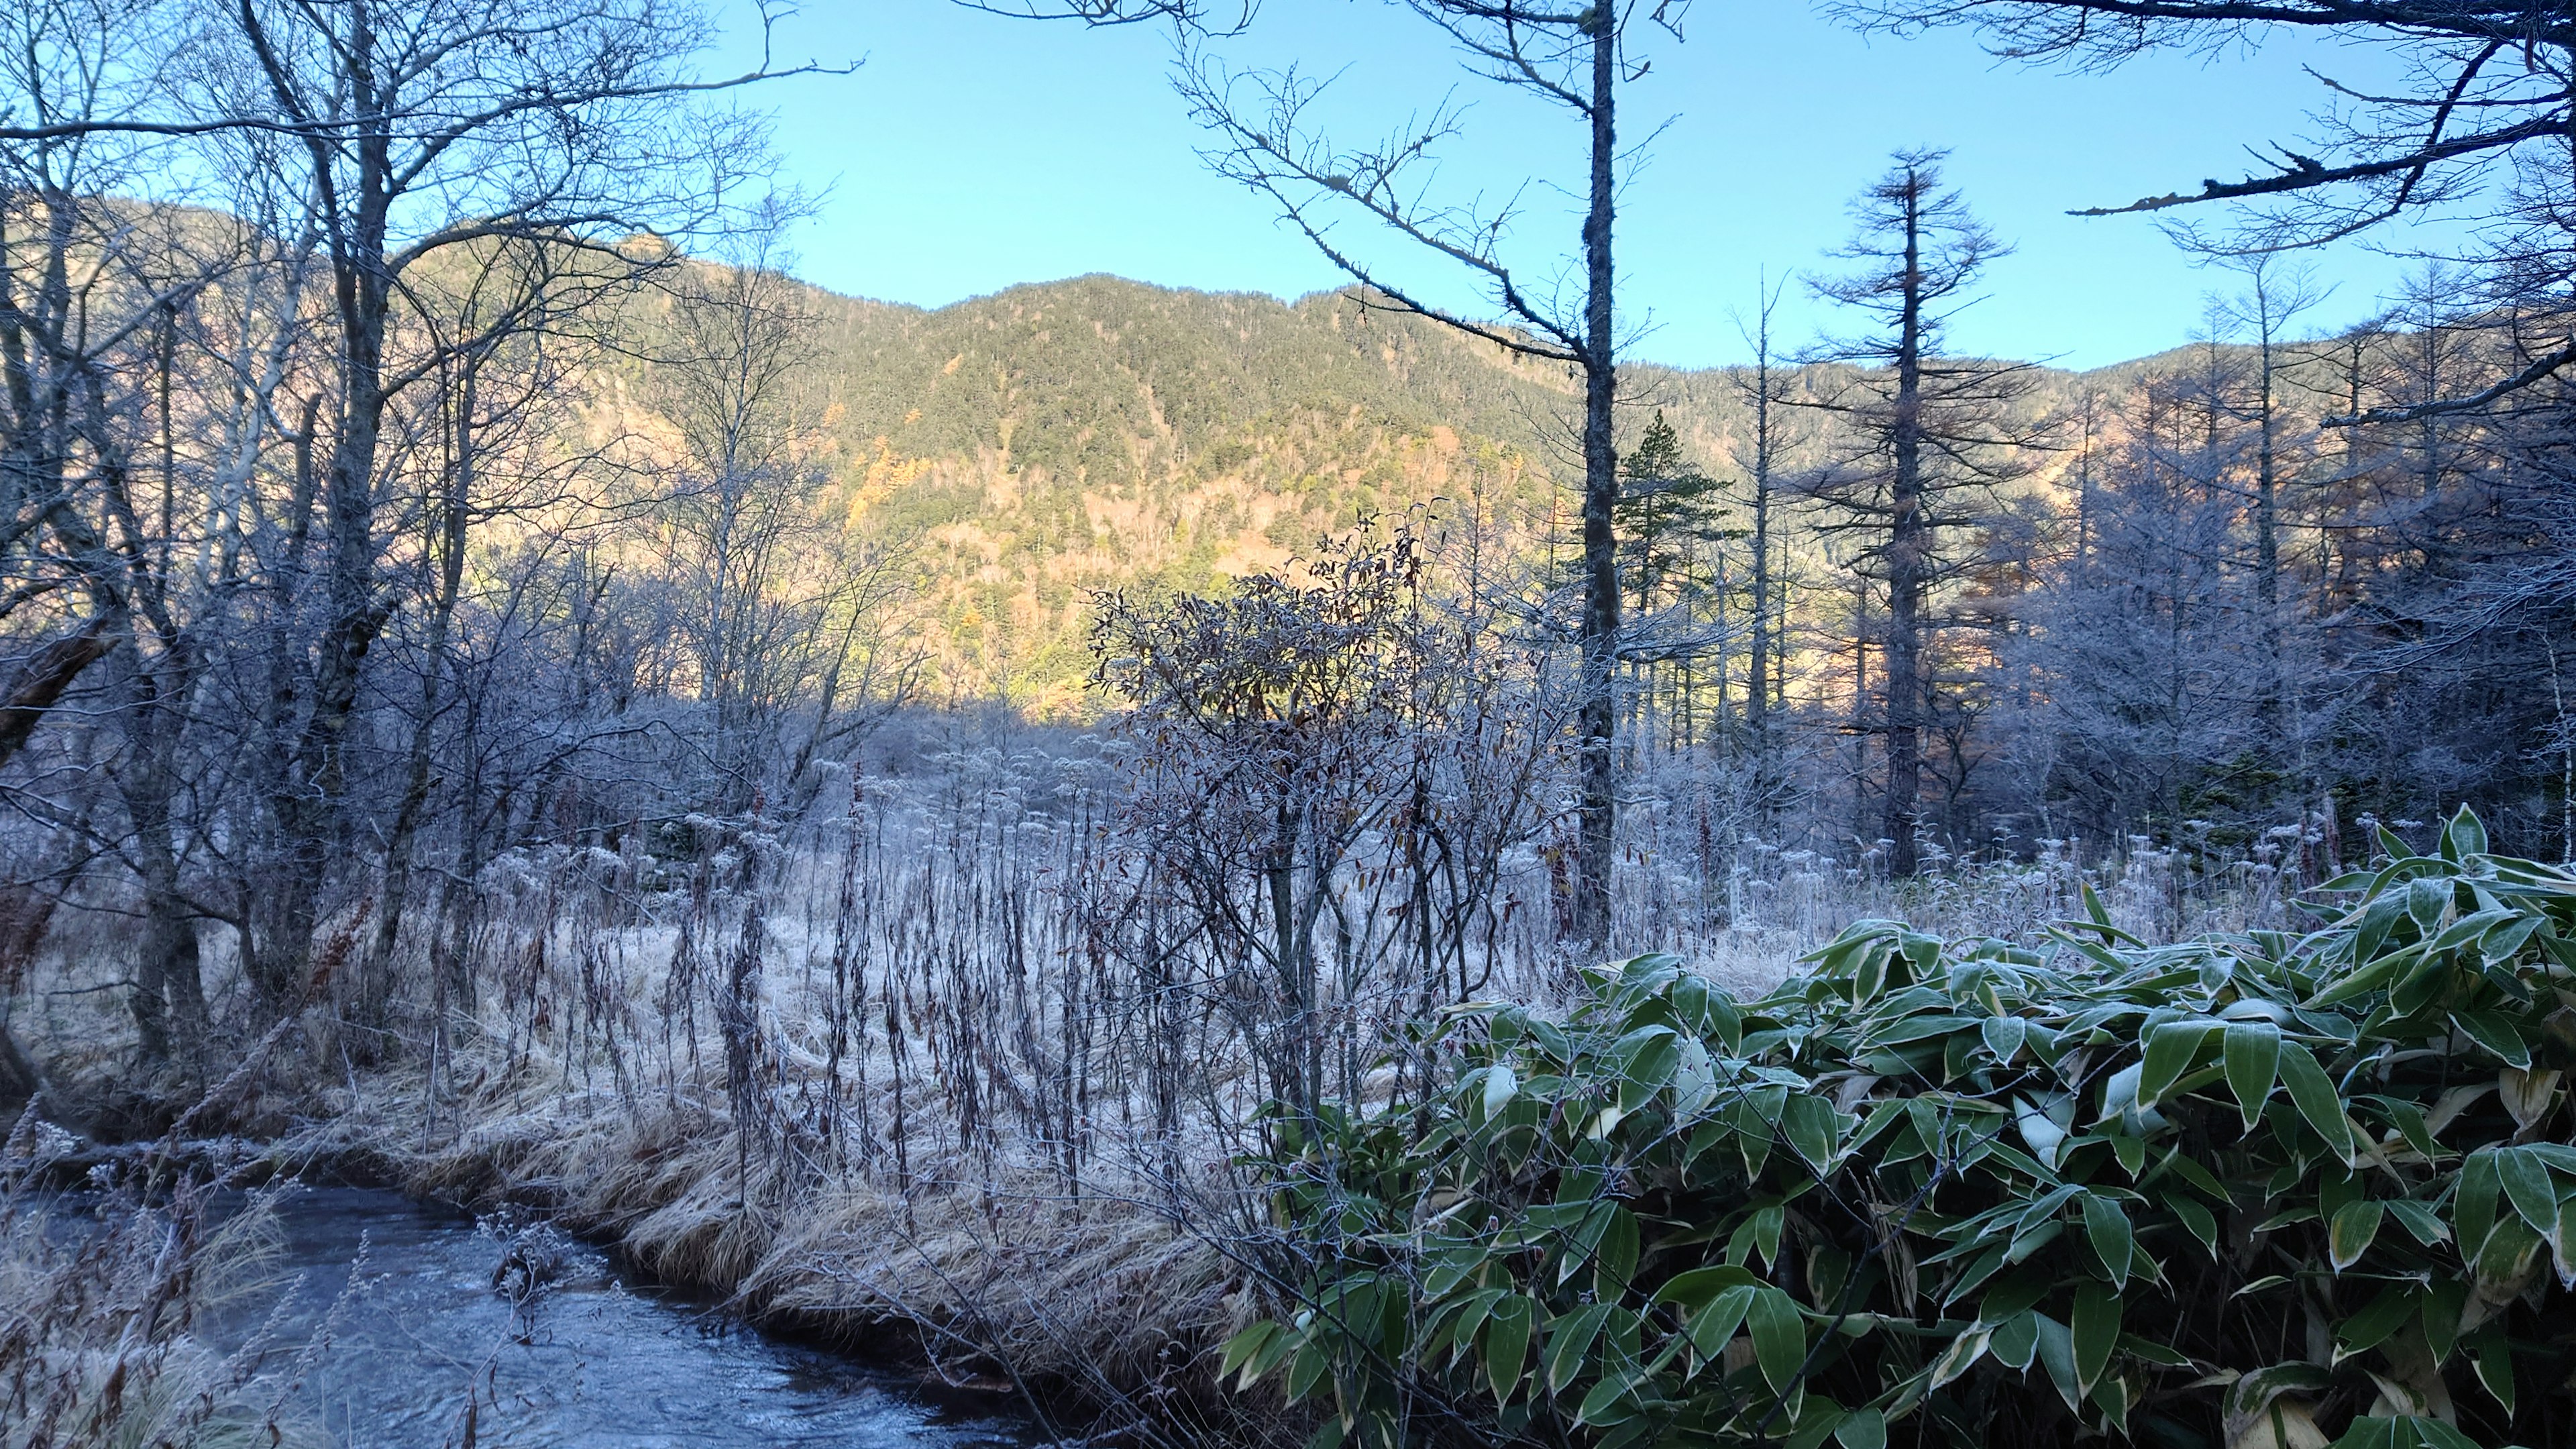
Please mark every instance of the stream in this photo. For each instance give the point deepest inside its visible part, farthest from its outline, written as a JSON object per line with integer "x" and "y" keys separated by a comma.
{"x": 595, "y": 1360}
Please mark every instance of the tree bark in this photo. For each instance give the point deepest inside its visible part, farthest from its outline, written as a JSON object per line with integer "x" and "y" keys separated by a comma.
{"x": 1908, "y": 563}
{"x": 306, "y": 797}
{"x": 375, "y": 975}
{"x": 1758, "y": 686}
{"x": 42, "y": 680}
{"x": 1596, "y": 846}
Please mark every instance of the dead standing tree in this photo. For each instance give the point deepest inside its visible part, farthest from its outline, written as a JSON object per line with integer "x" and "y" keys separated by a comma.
{"x": 1766, "y": 388}
{"x": 1572, "y": 57}
{"x": 1926, "y": 439}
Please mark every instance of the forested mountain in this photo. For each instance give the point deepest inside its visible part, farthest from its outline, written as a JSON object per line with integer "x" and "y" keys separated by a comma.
{"x": 2099, "y": 656}
{"x": 1095, "y": 432}
{"x": 1057, "y": 438}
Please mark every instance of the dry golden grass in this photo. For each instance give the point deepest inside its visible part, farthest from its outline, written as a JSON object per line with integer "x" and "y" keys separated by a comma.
{"x": 99, "y": 1292}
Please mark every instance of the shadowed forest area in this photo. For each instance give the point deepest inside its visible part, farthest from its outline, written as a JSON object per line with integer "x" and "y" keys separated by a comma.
{"x": 1260, "y": 871}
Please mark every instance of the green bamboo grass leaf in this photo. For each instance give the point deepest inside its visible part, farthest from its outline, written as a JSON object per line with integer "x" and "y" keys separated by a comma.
{"x": 1569, "y": 1344}
{"x": 2473, "y": 1206}
{"x": 2426, "y": 899}
{"x": 1808, "y": 1123}
{"x": 2444, "y": 1301}
{"x": 1757, "y": 1236}
{"x": 2314, "y": 1095}
{"x": 1615, "y": 1257}
{"x": 2152, "y": 1352}
{"x": 2171, "y": 1049}
{"x": 1694, "y": 1289}
{"x": 2057, "y": 1355}
{"x": 1240, "y": 1349}
{"x": 2505, "y": 941}
{"x": 2465, "y": 836}
{"x": 2111, "y": 1396}
{"x": 2192, "y": 1172}
{"x": 2095, "y": 1332}
{"x": 1714, "y": 1325}
{"x": 1605, "y": 1406}
{"x": 2423, "y": 983}
{"x": 2408, "y": 1118}
{"x": 2015, "y": 1340}
{"x": 2470, "y": 928}
{"x": 1871, "y": 978}
{"x": 2362, "y": 980}
{"x": 2371, "y": 1327}
{"x": 2197, "y": 1220}
{"x": 2041, "y": 1133}
{"x": 2492, "y": 1356}
{"x": 2003, "y": 1036}
{"x": 1779, "y": 1337}
{"x": 1862, "y": 1429}
{"x": 2350, "y": 1231}
{"x": 1507, "y": 1336}
{"x": 2420, "y": 1222}
{"x": 1646, "y": 1059}
{"x": 2527, "y": 1187}
{"x": 2497, "y": 1033}
{"x": 2252, "y": 1052}
{"x": 1500, "y": 1087}
{"x": 2378, "y": 918}
{"x": 1457, "y": 1331}
{"x": 1306, "y": 1369}
{"x": 2106, "y": 1227}
{"x": 1961, "y": 1355}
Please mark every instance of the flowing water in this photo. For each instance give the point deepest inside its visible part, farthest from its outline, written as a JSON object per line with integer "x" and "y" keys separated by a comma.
{"x": 401, "y": 1300}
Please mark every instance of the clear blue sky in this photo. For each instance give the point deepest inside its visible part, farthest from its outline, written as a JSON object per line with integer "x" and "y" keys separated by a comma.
{"x": 970, "y": 153}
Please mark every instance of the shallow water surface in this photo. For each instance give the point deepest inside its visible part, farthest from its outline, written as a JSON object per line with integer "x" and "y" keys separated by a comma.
{"x": 403, "y": 1297}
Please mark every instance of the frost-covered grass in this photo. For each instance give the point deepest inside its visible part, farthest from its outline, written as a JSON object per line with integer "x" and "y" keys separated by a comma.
{"x": 919, "y": 1065}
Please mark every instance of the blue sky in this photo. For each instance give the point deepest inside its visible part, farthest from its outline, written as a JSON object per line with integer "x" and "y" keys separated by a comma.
{"x": 969, "y": 153}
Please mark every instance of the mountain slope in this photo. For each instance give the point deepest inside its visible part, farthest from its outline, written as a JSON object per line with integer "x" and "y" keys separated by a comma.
{"x": 1094, "y": 433}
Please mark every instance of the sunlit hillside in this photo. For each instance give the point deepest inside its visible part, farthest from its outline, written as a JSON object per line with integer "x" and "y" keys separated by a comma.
{"x": 1069, "y": 436}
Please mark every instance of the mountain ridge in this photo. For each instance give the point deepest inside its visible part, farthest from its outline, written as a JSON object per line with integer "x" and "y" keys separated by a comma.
{"x": 1054, "y": 438}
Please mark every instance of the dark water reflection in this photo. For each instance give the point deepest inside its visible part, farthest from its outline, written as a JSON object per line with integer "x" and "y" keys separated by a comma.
{"x": 607, "y": 1363}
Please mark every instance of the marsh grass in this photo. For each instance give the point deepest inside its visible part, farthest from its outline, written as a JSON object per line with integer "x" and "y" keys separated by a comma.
{"x": 927, "y": 1065}
{"x": 102, "y": 1296}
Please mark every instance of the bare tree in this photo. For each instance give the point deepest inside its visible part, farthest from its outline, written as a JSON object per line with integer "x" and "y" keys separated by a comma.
{"x": 416, "y": 131}
{"x": 1573, "y": 58}
{"x": 1927, "y": 437}
{"x": 781, "y": 605}
{"x": 1766, "y": 390}
{"x": 2275, "y": 296}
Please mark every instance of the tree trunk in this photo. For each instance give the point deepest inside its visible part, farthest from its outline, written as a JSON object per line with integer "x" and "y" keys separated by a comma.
{"x": 375, "y": 974}
{"x": 43, "y": 678}
{"x": 309, "y": 792}
{"x": 1597, "y": 842}
{"x": 2273, "y": 708}
{"x": 1757, "y": 692}
{"x": 1908, "y": 563}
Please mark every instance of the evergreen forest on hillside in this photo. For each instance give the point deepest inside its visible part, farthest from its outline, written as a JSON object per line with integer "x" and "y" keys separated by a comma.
{"x": 1355, "y": 871}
